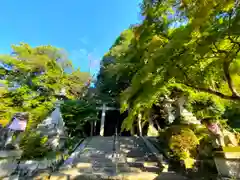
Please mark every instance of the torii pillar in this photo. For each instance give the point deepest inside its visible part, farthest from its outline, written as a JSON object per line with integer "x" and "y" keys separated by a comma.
{"x": 104, "y": 108}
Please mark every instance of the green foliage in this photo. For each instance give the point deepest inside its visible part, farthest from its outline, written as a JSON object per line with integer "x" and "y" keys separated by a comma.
{"x": 182, "y": 143}
{"x": 194, "y": 45}
{"x": 191, "y": 47}
{"x": 117, "y": 69}
{"x": 34, "y": 75}
{"x": 206, "y": 150}
{"x": 232, "y": 113}
{"x": 34, "y": 146}
{"x": 77, "y": 114}
{"x": 203, "y": 105}
{"x": 71, "y": 143}
{"x": 31, "y": 79}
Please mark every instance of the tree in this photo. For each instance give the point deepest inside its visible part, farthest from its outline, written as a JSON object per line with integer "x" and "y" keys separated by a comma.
{"x": 202, "y": 56}
{"x": 193, "y": 45}
{"x": 32, "y": 76}
{"x": 115, "y": 73}
{"x": 79, "y": 115}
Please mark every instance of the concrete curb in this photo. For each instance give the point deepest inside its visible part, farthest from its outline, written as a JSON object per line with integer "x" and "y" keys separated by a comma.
{"x": 156, "y": 153}
{"x": 68, "y": 162}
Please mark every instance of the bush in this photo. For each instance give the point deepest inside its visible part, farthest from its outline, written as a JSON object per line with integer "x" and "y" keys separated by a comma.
{"x": 34, "y": 146}
{"x": 183, "y": 143}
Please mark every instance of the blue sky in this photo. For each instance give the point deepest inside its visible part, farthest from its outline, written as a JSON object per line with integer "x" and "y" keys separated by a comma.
{"x": 86, "y": 29}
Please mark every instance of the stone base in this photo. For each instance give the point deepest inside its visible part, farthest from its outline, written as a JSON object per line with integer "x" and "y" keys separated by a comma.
{"x": 7, "y": 167}
{"x": 228, "y": 167}
{"x": 13, "y": 153}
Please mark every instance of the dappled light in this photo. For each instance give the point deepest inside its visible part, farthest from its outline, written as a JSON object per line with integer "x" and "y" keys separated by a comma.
{"x": 139, "y": 99}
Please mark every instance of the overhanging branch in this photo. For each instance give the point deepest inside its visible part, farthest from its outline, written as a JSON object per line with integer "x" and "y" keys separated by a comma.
{"x": 229, "y": 78}
{"x": 217, "y": 93}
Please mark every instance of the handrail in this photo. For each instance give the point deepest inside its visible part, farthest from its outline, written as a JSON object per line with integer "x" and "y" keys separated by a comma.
{"x": 116, "y": 149}
{"x": 114, "y": 142}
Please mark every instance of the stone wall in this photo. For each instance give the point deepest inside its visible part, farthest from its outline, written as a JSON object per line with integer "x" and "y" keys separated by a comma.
{"x": 12, "y": 166}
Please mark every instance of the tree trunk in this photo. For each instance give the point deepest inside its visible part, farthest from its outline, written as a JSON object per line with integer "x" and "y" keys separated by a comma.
{"x": 229, "y": 78}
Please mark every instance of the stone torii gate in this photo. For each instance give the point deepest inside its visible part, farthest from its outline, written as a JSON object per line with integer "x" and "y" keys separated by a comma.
{"x": 104, "y": 108}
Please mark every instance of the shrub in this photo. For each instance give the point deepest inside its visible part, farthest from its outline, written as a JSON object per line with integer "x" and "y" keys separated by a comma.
{"x": 34, "y": 146}
{"x": 185, "y": 141}
{"x": 183, "y": 145}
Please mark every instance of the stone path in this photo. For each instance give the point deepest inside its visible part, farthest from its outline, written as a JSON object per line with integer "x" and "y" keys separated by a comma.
{"x": 98, "y": 160}
{"x": 137, "y": 155}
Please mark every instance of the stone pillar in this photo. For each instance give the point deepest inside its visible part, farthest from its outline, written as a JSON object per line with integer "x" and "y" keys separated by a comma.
{"x": 92, "y": 128}
{"x": 95, "y": 127}
{"x": 103, "y": 120}
{"x": 140, "y": 124}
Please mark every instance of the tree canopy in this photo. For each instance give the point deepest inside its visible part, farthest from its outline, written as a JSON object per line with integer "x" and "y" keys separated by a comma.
{"x": 193, "y": 45}
{"x": 31, "y": 77}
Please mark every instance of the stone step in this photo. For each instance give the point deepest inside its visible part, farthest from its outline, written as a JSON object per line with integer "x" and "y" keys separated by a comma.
{"x": 102, "y": 151}
{"x": 101, "y": 165}
{"x": 110, "y": 170}
{"x": 144, "y": 164}
{"x": 93, "y": 155}
{"x": 151, "y": 164}
{"x": 74, "y": 174}
{"x": 93, "y": 164}
{"x": 141, "y": 159}
{"x": 90, "y": 160}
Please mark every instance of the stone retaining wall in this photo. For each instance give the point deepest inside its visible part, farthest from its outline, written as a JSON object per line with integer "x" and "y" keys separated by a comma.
{"x": 13, "y": 166}
{"x": 26, "y": 168}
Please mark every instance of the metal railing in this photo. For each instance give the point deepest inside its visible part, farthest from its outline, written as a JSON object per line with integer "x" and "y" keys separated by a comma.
{"x": 116, "y": 149}
{"x": 114, "y": 142}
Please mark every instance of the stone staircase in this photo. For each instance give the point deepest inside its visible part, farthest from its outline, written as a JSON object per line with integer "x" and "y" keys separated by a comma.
{"x": 132, "y": 160}
{"x": 137, "y": 156}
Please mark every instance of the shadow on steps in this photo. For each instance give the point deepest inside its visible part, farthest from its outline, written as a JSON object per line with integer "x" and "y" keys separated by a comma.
{"x": 140, "y": 176}
{"x": 170, "y": 176}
